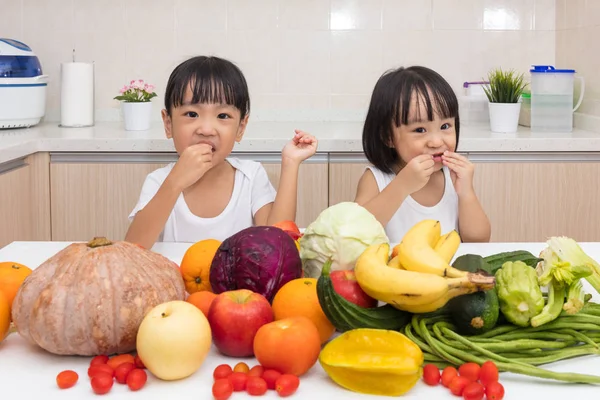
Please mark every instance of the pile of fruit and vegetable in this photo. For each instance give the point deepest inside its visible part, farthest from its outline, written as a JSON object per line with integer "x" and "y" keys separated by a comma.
{"x": 378, "y": 318}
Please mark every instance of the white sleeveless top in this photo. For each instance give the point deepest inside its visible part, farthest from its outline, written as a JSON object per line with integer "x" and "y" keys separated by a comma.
{"x": 410, "y": 212}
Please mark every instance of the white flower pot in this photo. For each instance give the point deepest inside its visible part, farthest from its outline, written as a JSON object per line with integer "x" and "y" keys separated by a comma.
{"x": 504, "y": 117}
{"x": 136, "y": 116}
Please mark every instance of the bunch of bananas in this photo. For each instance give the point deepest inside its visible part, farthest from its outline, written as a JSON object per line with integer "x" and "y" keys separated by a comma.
{"x": 418, "y": 278}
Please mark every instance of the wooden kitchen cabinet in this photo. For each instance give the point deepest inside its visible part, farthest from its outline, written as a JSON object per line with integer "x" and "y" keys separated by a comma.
{"x": 25, "y": 199}
{"x": 530, "y": 201}
{"x": 94, "y": 198}
{"x": 344, "y": 174}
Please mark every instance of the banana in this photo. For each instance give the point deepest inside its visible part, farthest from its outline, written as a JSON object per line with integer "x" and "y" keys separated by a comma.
{"x": 395, "y": 263}
{"x": 417, "y": 254}
{"x": 402, "y": 288}
{"x": 434, "y": 305}
{"x": 447, "y": 245}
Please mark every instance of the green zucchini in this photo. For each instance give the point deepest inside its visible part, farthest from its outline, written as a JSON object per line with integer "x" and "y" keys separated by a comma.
{"x": 345, "y": 315}
{"x": 495, "y": 261}
{"x": 474, "y": 313}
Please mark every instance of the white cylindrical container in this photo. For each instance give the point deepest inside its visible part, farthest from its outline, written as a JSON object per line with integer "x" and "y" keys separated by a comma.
{"x": 77, "y": 94}
{"x": 504, "y": 117}
{"x": 136, "y": 116}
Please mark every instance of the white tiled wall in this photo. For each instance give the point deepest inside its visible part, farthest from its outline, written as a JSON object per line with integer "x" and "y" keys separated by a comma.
{"x": 578, "y": 46}
{"x": 304, "y": 59}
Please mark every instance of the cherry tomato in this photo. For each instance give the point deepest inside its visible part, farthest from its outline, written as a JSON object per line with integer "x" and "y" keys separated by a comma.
{"x": 431, "y": 375}
{"x": 138, "y": 362}
{"x": 488, "y": 373}
{"x": 238, "y": 381}
{"x": 256, "y": 386}
{"x": 136, "y": 379}
{"x": 102, "y": 359}
{"x": 222, "y": 371}
{"x": 241, "y": 367}
{"x": 494, "y": 391}
{"x": 122, "y": 371}
{"x": 257, "y": 370}
{"x": 102, "y": 383}
{"x": 270, "y": 376}
{"x": 470, "y": 371}
{"x": 473, "y": 391}
{"x": 448, "y": 374}
{"x": 117, "y": 360}
{"x": 222, "y": 389}
{"x": 287, "y": 384}
{"x": 458, "y": 385}
{"x": 66, "y": 379}
{"x": 100, "y": 369}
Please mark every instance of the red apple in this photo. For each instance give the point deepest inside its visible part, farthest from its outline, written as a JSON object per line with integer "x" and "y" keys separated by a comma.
{"x": 345, "y": 284}
{"x": 234, "y": 317}
{"x": 290, "y": 228}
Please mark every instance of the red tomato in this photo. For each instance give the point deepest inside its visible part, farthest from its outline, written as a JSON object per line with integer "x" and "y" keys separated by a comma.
{"x": 257, "y": 370}
{"x": 138, "y": 362}
{"x": 100, "y": 369}
{"x": 222, "y": 389}
{"x": 458, "y": 385}
{"x": 241, "y": 367}
{"x": 494, "y": 391}
{"x": 222, "y": 371}
{"x": 238, "y": 381}
{"x": 102, "y": 359}
{"x": 270, "y": 376}
{"x": 431, "y": 375}
{"x": 102, "y": 383}
{"x": 488, "y": 373}
{"x": 136, "y": 379}
{"x": 473, "y": 391}
{"x": 470, "y": 371}
{"x": 66, "y": 379}
{"x": 119, "y": 359}
{"x": 448, "y": 375}
{"x": 287, "y": 384}
{"x": 123, "y": 371}
{"x": 256, "y": 386}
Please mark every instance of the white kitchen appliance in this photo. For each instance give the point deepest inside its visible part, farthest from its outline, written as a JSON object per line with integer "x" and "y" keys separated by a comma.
{"x": 22, "y": 86}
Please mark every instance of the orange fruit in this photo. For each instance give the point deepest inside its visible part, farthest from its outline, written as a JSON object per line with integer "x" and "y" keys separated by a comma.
{"x": 12, "y": 275}
{"x": 4, "y": 316}
{"x": 289, "y": 345}
{"x": 298, "y": 298}
{"x": 195, "y": 265}
{"x": 202, "y": 300}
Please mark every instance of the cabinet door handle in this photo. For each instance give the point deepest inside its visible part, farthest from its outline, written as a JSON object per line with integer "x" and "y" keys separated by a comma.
{"x": 12, "y": 165}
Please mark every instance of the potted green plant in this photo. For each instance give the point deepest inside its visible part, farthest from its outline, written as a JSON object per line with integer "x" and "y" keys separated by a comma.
{"x": 504, "y": 92}
{"x": 136, "y": 105}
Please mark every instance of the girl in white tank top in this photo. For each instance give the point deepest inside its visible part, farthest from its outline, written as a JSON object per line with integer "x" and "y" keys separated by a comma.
{"x": 410, "y": 137}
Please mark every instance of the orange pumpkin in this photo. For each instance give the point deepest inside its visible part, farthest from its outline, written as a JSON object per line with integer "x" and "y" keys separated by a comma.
{"x": 12, "y": 275}
{"x": 90, "y": 298}
{"x": 195, "y": 265}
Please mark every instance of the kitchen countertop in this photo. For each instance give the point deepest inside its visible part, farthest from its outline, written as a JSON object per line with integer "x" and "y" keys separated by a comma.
{"x": 334, "y": 137}
{"x": 27, "y": 372}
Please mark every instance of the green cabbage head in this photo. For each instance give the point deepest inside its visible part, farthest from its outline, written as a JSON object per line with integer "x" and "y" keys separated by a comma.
{"x": 341, "y": 232}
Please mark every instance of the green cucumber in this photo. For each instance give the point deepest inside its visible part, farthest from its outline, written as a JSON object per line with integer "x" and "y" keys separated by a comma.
{"x": 345, "y": 315}
{"x": 495, "y": 261}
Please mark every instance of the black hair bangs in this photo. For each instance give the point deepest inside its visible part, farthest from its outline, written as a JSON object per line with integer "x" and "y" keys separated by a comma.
{"x": 419, "y": 90}
{"x": 211, "y": 80}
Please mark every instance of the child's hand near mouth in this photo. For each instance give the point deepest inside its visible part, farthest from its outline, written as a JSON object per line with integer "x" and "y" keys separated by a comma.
{"x": 462, "y": 172}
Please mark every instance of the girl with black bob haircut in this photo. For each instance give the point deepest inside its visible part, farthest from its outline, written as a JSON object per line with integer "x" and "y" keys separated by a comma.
{"x": 410, "y": 137}
{"x": 207, "y": 193}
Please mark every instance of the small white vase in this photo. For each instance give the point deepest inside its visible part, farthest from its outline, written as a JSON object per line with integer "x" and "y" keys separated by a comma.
{"x": 136, "y": 116}
{"x": 504, "y": 117}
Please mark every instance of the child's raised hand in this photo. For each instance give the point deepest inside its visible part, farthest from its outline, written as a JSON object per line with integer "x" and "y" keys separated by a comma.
{"x": 301, "y": 147}
{"x": 192, "y": 165}
{"x": 417, "y": 172}
{"x": 462, "y": 169}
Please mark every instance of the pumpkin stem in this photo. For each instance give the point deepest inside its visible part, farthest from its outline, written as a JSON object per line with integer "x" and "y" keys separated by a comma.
{"x": 98, "y": 242}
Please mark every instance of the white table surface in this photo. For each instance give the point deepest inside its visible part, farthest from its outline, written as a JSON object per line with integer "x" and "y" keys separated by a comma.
{"x": 28, "y": 372}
